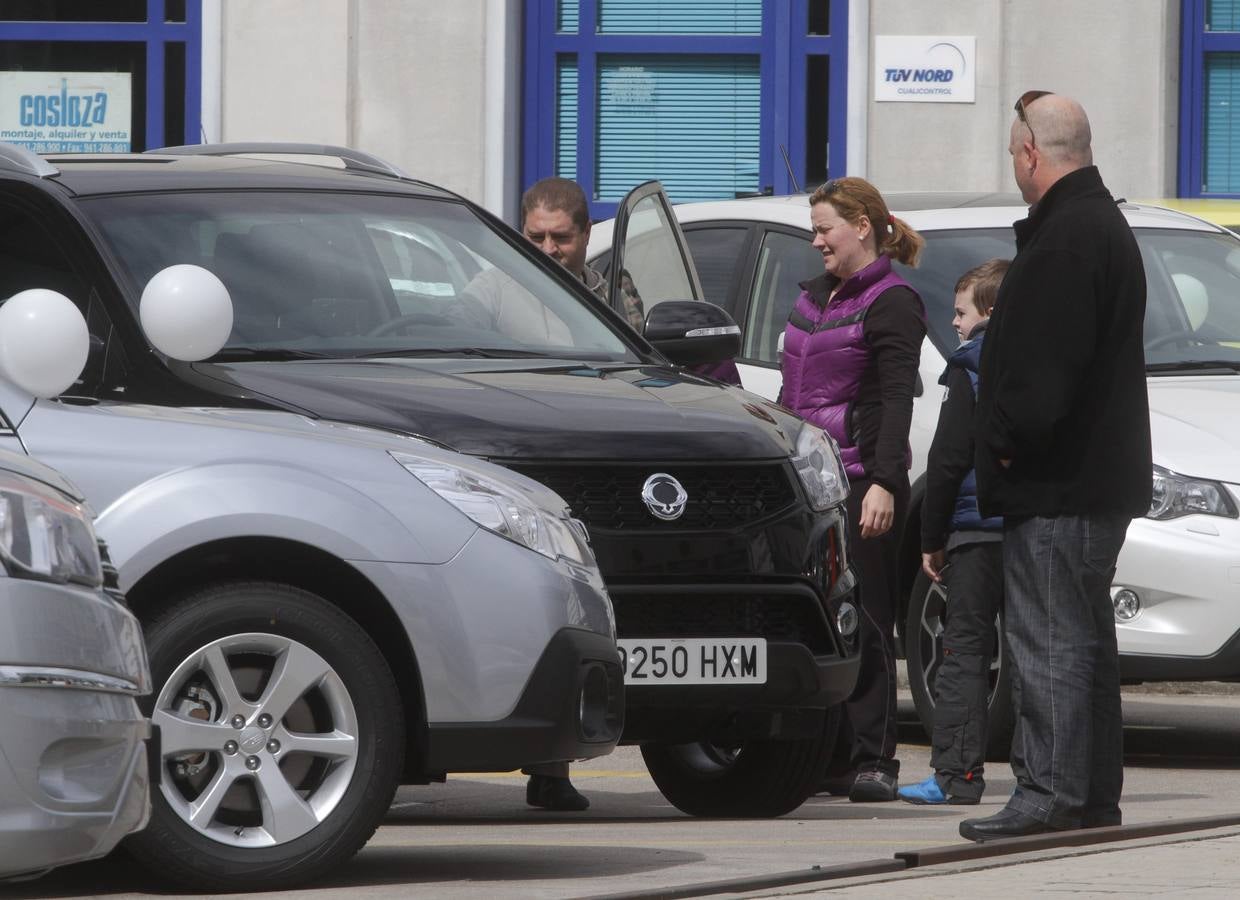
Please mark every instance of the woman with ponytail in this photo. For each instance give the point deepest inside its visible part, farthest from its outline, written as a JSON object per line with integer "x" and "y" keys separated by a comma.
{"x": 851, "y": 351}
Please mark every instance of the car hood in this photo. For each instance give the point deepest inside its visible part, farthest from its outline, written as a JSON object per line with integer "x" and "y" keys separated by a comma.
{"x": 31, "y": 468}
{"x": 1195, "y": 425}
{"x": 508, "y": 409}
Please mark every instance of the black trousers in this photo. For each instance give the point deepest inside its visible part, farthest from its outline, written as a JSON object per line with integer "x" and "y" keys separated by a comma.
{"x": 868, "y": 726}
{"x": 974, "y": 582}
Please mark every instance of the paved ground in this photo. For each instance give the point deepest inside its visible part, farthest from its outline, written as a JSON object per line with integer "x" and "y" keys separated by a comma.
{"x": 474, "y": 836}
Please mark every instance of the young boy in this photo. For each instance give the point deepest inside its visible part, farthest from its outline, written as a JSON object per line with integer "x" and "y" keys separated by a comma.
{"x": 964, "y": 550}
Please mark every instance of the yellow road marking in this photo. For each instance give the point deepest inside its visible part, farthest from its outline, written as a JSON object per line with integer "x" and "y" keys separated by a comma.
{"x": 577, "y": 773}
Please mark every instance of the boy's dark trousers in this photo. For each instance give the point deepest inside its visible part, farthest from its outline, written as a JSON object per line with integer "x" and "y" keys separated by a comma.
{"x": 974, "y": 581}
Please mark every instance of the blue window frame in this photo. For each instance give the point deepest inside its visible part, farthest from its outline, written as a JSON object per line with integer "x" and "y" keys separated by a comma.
{"x": 705, "y": 95}
{"x": 164, "y": 57}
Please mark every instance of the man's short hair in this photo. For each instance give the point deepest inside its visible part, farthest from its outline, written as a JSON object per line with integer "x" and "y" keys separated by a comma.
{"x": 985, "y": 280}
{"x": 557, "y": 194}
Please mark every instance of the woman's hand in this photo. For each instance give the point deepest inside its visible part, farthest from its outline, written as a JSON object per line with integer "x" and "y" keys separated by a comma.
{"x": 878, "y": 511}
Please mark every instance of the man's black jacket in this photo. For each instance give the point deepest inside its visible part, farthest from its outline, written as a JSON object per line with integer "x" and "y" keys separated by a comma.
{"x": 1062, "y": 389}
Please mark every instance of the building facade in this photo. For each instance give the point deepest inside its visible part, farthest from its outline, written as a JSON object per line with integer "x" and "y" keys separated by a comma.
{"x": 716, "y": 98}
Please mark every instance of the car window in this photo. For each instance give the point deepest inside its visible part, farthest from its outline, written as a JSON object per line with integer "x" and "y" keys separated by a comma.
{"x": 423, "y": 272}
{"x": 1192, "y": 309}
{"x": 1192, "y": 296}
{"x": 652, "y": 257}
{"x": 947, "y": 256}
{"x": 342, "y": 275}
{"x": 31, "y": 258}
{"x": 784, "y": 261}
{"x": 718, "y": 253}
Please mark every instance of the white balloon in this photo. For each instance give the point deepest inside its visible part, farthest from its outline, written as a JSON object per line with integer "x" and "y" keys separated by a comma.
{"x": 186, "y": 312}
{"x": 43, "y": 342}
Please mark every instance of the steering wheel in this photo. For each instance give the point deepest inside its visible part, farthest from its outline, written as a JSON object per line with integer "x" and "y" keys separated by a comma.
{"x": 1175, "y": 337}
{"x": 404, "y": 321}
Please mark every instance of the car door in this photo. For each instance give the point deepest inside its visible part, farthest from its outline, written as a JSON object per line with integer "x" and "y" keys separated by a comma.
{"x": 783, "y": 258}
{"x": 650, "y": 260}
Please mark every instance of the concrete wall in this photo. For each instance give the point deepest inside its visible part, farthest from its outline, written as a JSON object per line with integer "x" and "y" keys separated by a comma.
{"x": 408, "y": 80}
{"x": 1119, "y": 58}
{"x": 403, "y": 80}
{"x": 285, "y": 71}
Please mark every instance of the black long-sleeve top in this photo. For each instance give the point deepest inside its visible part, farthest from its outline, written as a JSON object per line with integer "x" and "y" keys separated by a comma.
{"x": 882, "y": 414}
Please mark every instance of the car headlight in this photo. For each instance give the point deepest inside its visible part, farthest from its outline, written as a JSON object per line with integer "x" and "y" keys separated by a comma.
{"x": 505, "y": 509}
{"x": 45, "y": 535}
{"x": 1177, "y": 495}
{"x": 820, "y": 468}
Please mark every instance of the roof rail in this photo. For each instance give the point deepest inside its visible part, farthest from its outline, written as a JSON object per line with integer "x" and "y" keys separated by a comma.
{"x": 18, "y": 159}
{"x": 354, "y": 160}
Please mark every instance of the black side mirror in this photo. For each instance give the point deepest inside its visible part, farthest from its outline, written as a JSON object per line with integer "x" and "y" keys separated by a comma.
{"x": 692, "y": 332}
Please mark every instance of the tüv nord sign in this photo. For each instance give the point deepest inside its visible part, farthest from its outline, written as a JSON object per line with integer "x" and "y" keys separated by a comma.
{"x": 922, "y": 69}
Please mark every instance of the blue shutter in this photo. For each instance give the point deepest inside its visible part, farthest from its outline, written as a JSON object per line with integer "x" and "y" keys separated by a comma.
{"x": 566, "y": 116}
{"x": 680, "y": 16}
{"x": 567, "y": 16}
{"x": 1222, "y": 124}
{"x": 690, "y": 121}
{"x": 1222, "y": 15}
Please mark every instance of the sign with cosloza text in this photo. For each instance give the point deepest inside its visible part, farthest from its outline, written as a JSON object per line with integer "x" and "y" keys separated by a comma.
{"x": 66, "y": 112}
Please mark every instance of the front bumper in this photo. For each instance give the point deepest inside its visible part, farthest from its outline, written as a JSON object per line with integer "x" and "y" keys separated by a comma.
{"x": 73, "y": 770}
{"x": 572, "y": 707}
{"x": 810, "y": 668}
{"x": 1186, "y": 572}
{"x": 73, "y": 776}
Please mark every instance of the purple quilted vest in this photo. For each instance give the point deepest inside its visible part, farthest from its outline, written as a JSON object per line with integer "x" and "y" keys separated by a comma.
{"x": 825, "y": 355}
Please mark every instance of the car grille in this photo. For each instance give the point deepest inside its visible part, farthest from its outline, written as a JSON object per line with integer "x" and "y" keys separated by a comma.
{"x": 794, "y": 617}
{"x": 111, "y": 577}
{"x": 609, "y": 495}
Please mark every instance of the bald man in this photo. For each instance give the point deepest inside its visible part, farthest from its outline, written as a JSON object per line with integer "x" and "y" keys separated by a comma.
{"x": 1063, "y": 454}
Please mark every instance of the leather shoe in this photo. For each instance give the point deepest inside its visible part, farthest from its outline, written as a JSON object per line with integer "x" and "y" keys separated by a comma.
{"x": 1007, "y": 823}
{"x": 553, "y": 793}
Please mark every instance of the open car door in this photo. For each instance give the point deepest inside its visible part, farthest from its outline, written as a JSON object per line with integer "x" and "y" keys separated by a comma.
{"x": 650, "y": 260}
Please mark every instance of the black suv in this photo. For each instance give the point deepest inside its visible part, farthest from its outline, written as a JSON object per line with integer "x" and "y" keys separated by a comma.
{"x": 363, "y": 296}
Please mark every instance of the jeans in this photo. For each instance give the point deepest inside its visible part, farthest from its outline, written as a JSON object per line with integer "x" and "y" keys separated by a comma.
{"x": 974, "y": 581}
{"x": 1061, "y": 634}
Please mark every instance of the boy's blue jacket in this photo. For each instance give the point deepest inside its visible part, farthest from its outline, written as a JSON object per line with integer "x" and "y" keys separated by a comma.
{"x": 951, "y": 483}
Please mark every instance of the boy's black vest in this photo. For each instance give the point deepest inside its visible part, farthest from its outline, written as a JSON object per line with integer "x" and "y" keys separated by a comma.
{"x": 966, "y": 516}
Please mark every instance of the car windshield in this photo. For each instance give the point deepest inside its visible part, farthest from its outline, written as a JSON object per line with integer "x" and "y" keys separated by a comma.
{"x": 340, "y": 275}
{"x": 1192, "y": 310}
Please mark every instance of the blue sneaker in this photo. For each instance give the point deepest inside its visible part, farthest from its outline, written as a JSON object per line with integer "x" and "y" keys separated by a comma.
{"x": 924, "y": 793}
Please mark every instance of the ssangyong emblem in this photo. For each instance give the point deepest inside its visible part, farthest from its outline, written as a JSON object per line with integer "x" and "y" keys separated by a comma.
{"x": 664, "y": 496}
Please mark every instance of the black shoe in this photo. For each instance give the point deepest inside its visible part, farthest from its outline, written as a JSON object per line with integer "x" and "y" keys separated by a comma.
{"x": 1006, "y": 823}
{"x": 873, "y": 786}
{"x": 1109, "y": 820}
{"x": 554, "y": 793}
{"x": 837, "y": 784}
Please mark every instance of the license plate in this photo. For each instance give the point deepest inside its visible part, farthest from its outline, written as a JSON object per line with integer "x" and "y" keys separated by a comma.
{"x": 693, "y": 660}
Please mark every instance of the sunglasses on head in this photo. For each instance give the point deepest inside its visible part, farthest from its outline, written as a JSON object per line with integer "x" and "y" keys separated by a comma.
{"x": 1023, "y": 104}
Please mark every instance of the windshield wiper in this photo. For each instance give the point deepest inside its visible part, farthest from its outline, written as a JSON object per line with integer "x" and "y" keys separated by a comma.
{"x": 479, "y": 352}
{"x": 1195, "y": 365}
{"x": 266, "y": 354}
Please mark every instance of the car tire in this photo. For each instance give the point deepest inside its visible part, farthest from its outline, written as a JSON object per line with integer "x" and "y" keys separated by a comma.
{"x": 756, "y": 779}
{"x": 250, "y": 800}
{"x": 923, "y": 644}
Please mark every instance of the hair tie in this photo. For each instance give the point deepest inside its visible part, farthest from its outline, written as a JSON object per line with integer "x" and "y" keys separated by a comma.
{"x": 891, "y": 220}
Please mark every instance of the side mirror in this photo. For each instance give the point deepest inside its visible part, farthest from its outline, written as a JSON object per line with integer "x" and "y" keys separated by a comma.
{"x": 43, "y": 342}
{"x": 186, "y": 312}
{"x": 692, "y": 332}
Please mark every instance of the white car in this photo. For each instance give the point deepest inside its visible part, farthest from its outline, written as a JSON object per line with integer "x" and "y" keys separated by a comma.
{"x": 1177, "y": 588}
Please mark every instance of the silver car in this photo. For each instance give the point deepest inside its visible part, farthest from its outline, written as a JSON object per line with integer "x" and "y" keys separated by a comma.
{"x": 73, "y": 763}
{"x": 330, "y": 609}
